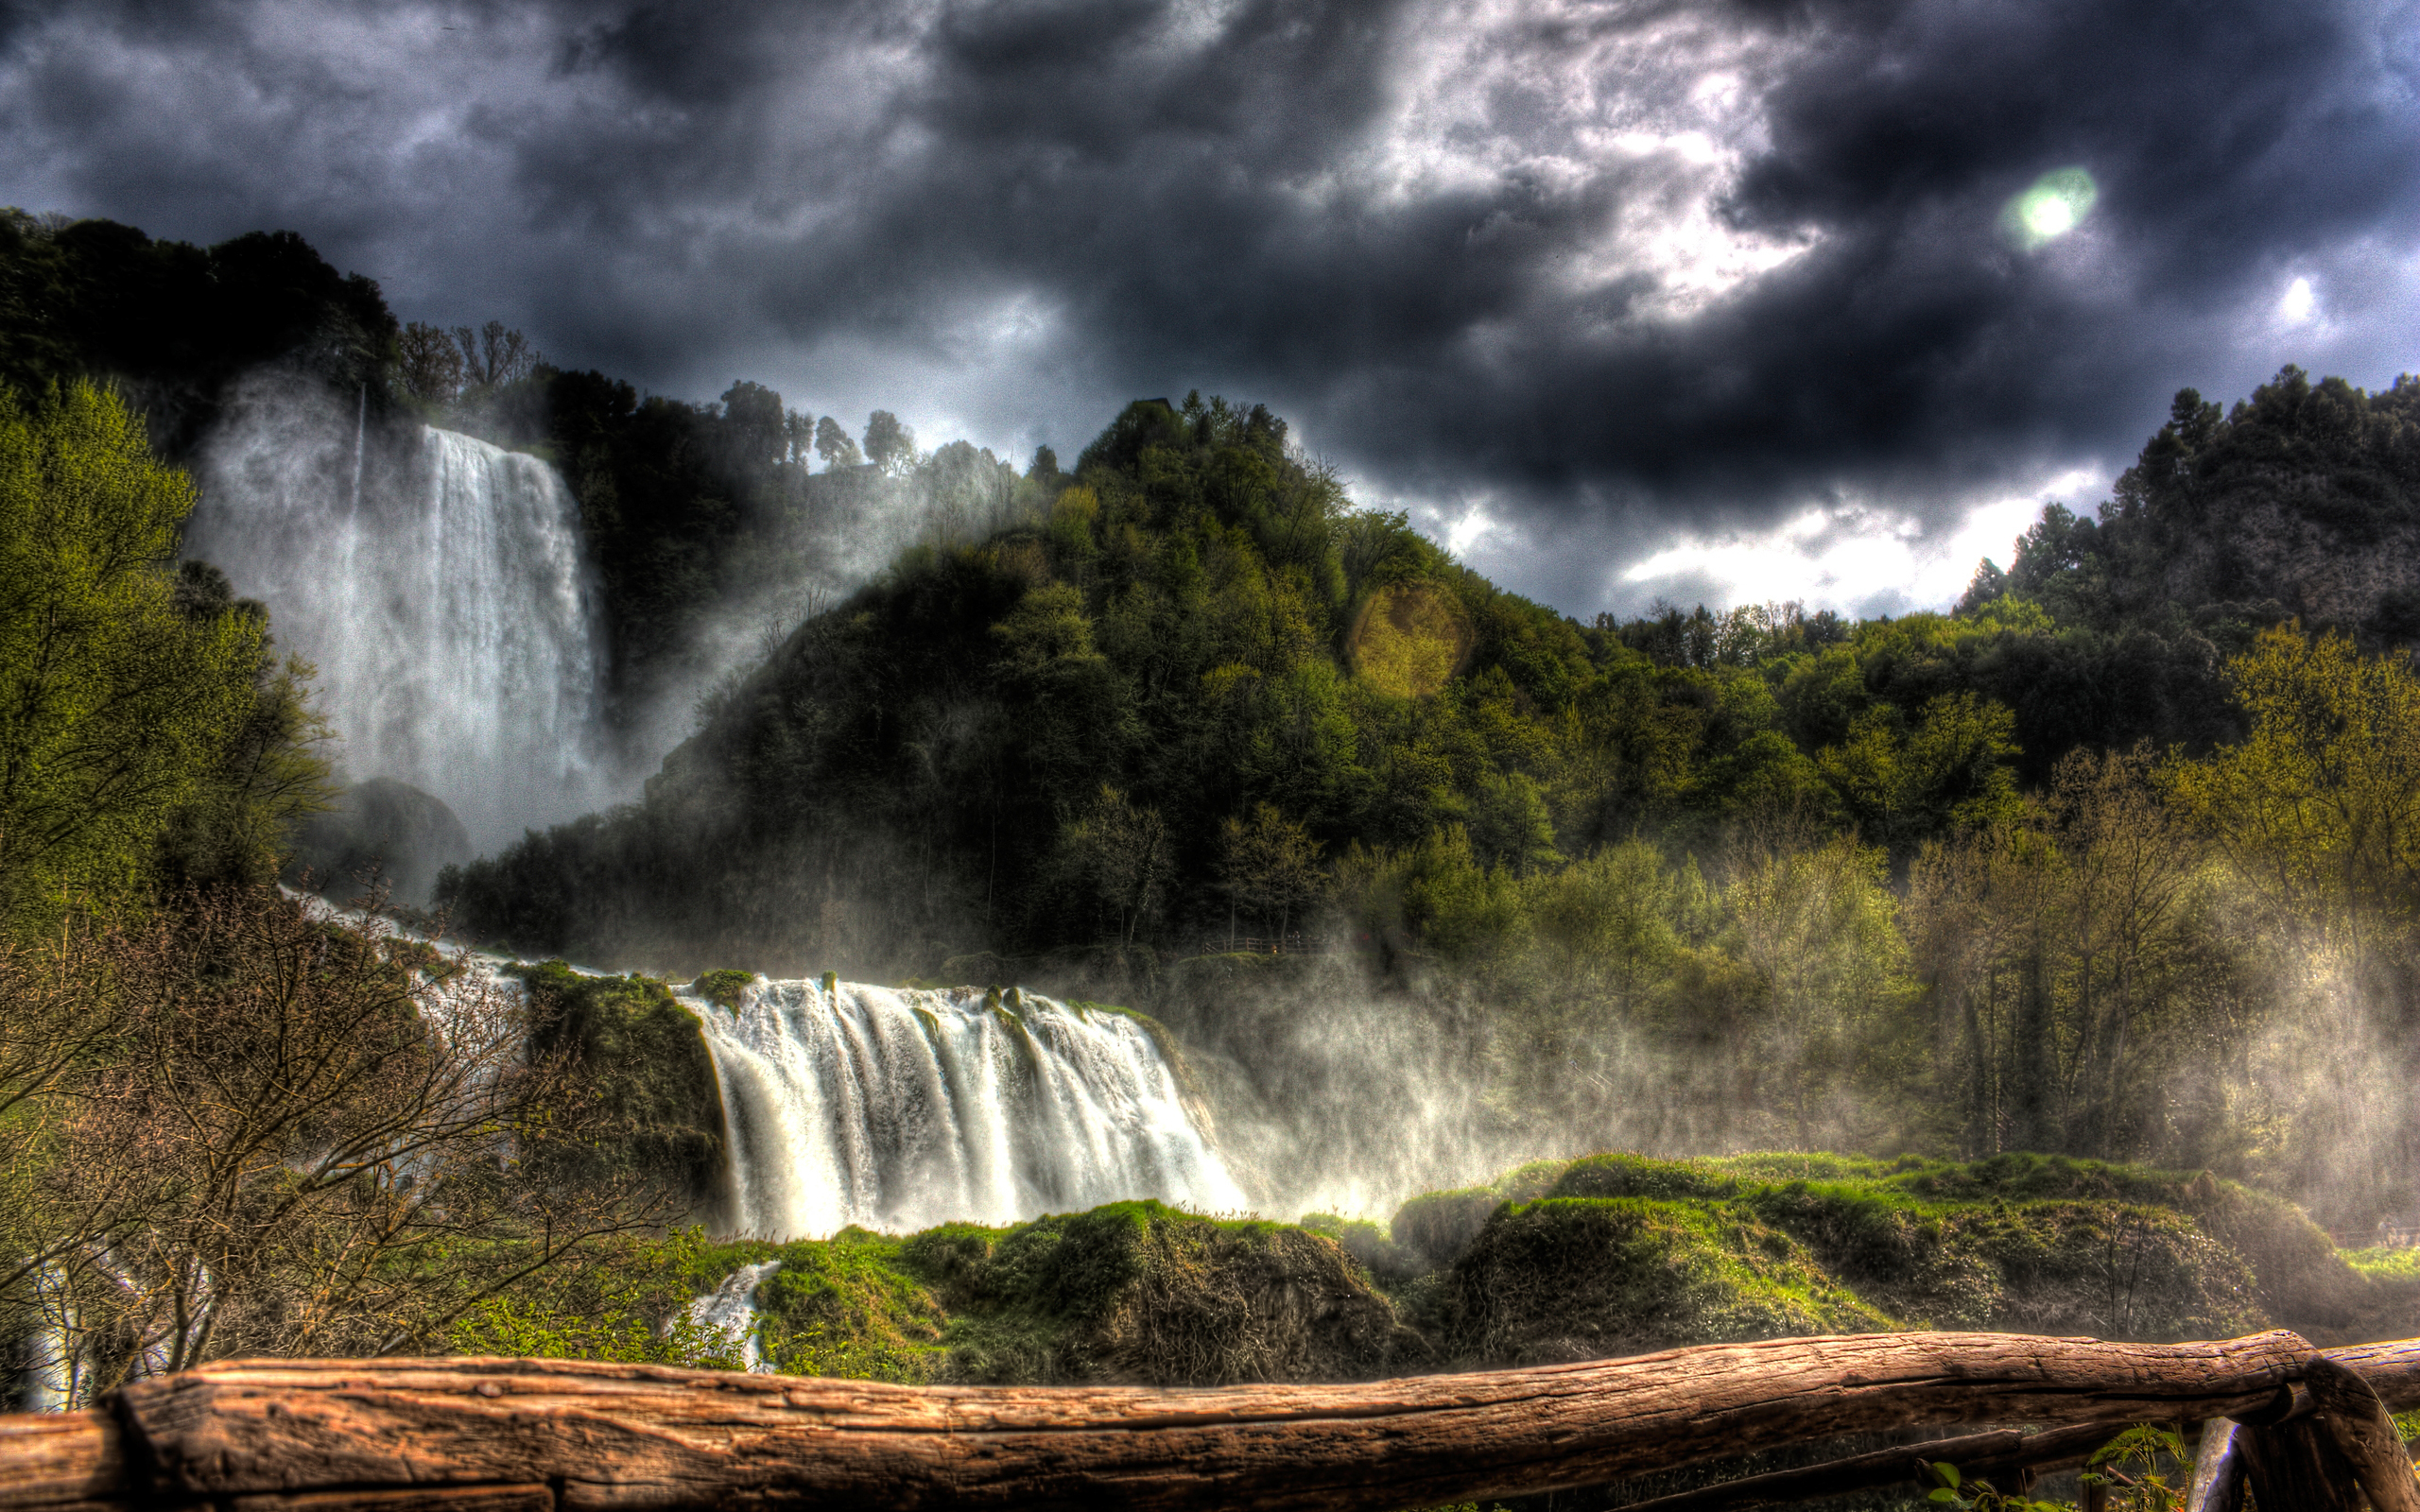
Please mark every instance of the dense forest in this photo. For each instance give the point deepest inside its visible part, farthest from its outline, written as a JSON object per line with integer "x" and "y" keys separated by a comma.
{"x": 2113, "y": 860}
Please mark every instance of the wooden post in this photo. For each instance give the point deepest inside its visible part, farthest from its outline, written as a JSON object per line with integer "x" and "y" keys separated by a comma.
{"x": 2357, "y": 1423}
{"x": 2294, "y": 1466}
{"x": 2218, "y": 1469}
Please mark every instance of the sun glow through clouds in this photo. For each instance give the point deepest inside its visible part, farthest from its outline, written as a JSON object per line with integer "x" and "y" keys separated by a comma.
{"x": 2055, "y": 204}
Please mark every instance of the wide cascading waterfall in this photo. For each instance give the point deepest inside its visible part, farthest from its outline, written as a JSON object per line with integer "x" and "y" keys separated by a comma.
{"x": 449, "y": 610}
{"x": 900, "y": 1109}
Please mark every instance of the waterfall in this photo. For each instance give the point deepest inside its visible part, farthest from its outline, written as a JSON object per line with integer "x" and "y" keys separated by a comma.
{"x": 360, "y": 440}
{"x": 730, "y": 1311}
{"x": 448, "y": 607}
{"x": 900, "y": 1109}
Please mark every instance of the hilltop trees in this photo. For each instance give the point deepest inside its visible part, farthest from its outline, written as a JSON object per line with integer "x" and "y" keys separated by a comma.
{"x": 889, "y": 445}
{"x": 833, "y": 444}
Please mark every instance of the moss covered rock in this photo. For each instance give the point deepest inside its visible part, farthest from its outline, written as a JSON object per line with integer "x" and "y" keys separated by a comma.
{"x": 1441, "y": 1225}
{"x": 639, "y": 1056}
{"x": 1583, "y": 1278}
{"x": 2024, "y": 1243}
{"x": 1131, "y": 1292}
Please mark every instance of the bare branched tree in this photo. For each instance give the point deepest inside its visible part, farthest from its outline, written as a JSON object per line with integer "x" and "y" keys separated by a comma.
{"x": 298, "y": 1136}
{"x": 494, "y": 357}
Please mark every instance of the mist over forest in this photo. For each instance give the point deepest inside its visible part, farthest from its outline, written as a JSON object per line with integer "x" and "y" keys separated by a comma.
{"x": 1838, "y": 974}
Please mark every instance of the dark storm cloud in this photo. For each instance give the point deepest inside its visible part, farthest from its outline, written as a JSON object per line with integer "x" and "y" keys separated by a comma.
{"x": 1626, "y": 267}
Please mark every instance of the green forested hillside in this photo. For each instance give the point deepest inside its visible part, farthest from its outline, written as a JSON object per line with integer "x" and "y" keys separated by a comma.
{"x": 1998, "y": 878}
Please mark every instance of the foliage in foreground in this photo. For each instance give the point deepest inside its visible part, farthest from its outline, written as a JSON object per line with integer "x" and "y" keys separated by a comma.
{"x": 236, "y": 1127}
{"x": 147, "y": 735}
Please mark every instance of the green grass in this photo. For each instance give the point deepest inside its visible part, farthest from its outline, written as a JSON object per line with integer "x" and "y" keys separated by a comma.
{"x": 722, "y": 989}
{"x": 1581, "y": 1278}
{"x": 1555, "y": 1259}
{"x": 2022, "y": 1242}
{"x": 2381, "y": 1264}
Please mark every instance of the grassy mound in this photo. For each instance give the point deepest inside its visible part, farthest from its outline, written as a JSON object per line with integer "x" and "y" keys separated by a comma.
{"x": 2024, "y": 1243}
{"x": 1132, "y": 1292}
{"x": 1955, "y": 1246}
{"x": 846, "y": 1306}
{"x": 1584, "y": 1278}
{"x": 2299, "y": 1278}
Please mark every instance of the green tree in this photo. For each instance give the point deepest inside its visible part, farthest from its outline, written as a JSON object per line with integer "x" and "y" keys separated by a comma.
{"x": 114, "y": 704}
{"x": 2318, "y": 811}
{"x": 1121, "y": 851}
{"x": 1267, "y": 864}
{"x": 889, "y": 445}
{"x": 1951, "y": 770}
{"x": 833, "y": 444}
{"x": 2319, "y": 808}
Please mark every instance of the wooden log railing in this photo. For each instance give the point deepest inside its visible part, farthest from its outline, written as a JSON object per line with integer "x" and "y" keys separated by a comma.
{"x": 505, "y": 1436}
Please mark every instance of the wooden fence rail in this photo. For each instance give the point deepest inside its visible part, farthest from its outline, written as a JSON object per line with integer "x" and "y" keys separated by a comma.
{"x": 505, "y": 1436}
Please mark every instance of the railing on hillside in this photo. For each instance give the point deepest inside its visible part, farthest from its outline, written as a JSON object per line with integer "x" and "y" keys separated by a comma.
{"x": 2385, "y": 1236}
{"x": 2300, "y": 1427}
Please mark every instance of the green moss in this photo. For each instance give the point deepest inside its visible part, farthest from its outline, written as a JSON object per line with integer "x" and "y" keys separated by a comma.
{"x": 846, "y": 1307}
{"x": 638, "y": 1053}
{"x": 1579, "y": 1278}
{"x": 2382, "y": 1263}
{"x": 2300, "y": 1279}
{"x": 1134, "y": 1291}
{"x": 2026, "y": 1243}
{"x": 1389, "y": 1263}
{"x": 722, "y": 989}
{"x": 1440, "y": 1225}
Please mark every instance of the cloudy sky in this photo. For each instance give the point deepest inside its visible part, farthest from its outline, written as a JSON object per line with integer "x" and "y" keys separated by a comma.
{"x": 1622, "y": 301}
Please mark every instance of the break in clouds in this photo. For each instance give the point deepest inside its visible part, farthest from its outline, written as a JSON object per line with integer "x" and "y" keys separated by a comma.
{"x": 1621, "y": 300}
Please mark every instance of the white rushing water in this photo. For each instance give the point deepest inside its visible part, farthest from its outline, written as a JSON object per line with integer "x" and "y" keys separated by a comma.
{"x": 731, "y": 1311}
{"x": 900, "y": 1109}
{"x": 450, "y": 611}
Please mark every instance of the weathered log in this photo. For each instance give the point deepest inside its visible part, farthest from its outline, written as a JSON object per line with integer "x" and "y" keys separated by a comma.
{"x": 2391, "y": 1369}
{"x": 494, "y": 1434}
{"x": 1975, "y": 1454}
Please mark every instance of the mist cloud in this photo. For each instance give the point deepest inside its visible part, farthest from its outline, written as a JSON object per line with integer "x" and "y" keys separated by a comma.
{"x": 1608, "y": 277}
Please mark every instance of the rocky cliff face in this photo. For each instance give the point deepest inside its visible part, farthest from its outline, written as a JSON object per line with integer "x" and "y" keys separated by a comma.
{"x": 2272, "y": 537}
{"x": 2304, "y": 500}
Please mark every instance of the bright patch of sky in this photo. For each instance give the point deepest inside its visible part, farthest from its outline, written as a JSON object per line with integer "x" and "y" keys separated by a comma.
{"x": 1631, "y": 132}
{"x": 1854, "y": 558}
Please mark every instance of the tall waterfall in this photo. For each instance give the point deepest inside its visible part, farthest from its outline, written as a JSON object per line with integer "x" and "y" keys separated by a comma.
{"x": 903, "y": 1110}
{"x": 449, "y": 610}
